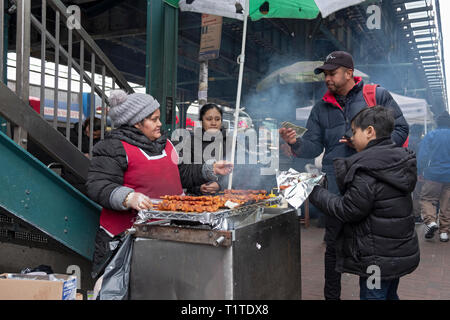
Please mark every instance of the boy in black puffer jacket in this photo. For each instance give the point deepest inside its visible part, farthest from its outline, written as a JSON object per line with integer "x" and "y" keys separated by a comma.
{"x": 378, "y": 242}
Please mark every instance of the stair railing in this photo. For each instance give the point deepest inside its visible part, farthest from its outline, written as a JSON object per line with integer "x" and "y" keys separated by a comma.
{"x": 90, "y": 57}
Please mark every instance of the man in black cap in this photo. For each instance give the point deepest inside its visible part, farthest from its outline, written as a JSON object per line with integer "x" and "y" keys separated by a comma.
{"x": 329, "y": 128}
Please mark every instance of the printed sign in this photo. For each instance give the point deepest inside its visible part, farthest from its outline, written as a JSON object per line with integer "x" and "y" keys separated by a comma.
{"x": 211, "y": 37}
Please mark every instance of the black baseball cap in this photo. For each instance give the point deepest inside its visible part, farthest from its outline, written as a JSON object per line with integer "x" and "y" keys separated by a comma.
{"x": 335, "y": 60}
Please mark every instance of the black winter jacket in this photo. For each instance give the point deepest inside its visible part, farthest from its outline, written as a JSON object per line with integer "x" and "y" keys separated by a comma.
{"x": 109, "y": 163}
{"x": 376, "y": 208}
{"x": 329, "y": 121}
{"x": 198, "y": 143}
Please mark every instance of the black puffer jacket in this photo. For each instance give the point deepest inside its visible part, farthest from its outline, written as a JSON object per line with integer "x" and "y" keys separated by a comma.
{"x": 199, "y": 141}
{"x": 329, "y": 121}
{"x": 376, "y": 209}
{"x": 109, "y": 163}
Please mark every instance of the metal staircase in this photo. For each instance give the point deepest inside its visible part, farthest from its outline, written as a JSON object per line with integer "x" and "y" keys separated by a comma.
{"x": 33, "y": 199}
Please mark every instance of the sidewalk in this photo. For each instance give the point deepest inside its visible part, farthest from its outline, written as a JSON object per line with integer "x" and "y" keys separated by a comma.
{"x": 430, "y": 281}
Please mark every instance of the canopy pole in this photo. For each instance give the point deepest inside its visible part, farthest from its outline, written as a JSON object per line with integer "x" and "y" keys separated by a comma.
{"x": 241, "y": 60}
{"x": 425, "y": 120}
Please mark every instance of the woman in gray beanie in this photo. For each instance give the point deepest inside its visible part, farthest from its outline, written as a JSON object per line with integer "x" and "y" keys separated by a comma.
{"x": 134, "y": 163}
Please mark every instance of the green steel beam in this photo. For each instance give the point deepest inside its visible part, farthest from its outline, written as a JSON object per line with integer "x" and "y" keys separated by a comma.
{"x": 36, "y": 195}
{"x": 161, "y": 58}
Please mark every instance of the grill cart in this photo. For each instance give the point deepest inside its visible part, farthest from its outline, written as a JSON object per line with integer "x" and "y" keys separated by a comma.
{"x": 250, "y": 252}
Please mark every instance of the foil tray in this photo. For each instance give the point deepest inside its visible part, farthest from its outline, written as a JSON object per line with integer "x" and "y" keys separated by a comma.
{"x": 211, "y": 218}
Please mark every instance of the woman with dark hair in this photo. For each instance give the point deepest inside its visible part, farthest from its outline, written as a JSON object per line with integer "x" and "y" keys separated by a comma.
{"x": 134, "y": 163}
{"x": 212, "y": 138}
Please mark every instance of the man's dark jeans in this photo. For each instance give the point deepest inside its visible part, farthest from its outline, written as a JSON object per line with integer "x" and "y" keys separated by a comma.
{"x": 333, "y": 226}
{"x": 387, "y": 290}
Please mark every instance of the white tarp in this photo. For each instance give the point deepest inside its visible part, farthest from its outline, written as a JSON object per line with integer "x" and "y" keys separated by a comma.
{"x": 303, "y": 113}
{"x": 414, "y": 109}
{"x": 225, "y": 8}
{"x": 327, "y": 7}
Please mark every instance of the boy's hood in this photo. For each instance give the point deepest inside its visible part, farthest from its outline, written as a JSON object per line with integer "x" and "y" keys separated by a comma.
{"x": 382, "y": 160}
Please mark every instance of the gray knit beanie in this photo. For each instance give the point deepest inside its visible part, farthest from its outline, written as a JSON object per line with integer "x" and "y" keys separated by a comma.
{"x": 130, "y": 108}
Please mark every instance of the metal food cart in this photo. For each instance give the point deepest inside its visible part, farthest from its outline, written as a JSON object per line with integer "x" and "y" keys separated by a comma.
{"x": 251, "y": 252}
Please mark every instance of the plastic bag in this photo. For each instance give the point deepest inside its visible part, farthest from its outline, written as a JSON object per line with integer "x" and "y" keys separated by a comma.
{"x": 116, "y": 277}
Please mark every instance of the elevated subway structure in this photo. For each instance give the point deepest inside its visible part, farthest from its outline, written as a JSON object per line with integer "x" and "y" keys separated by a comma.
{"x": 153, "y": 44}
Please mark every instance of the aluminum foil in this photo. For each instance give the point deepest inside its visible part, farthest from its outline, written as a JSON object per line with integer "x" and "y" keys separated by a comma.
{"x": 300, "y": 185}
{"x": 220, "y": 220}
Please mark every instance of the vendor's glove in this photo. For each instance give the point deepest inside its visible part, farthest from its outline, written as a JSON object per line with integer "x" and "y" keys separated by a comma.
{"x": 137, "y": 201}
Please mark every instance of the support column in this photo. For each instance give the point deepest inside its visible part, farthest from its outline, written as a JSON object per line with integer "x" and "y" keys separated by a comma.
{"x": 203, "y": 83}
{"x": 4, "y": 26}
{"x": 161, "y": 58}
{"x": 22, "y": 62}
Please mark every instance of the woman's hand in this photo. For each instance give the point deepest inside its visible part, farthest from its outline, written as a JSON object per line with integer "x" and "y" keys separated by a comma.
{"x": 210, "y": 187}
{"x": 223, "y": 167}
{"x": 138, "y": 201}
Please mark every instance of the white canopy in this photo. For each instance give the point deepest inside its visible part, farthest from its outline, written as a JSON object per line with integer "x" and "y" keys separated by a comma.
{"x": 414, "y": 110}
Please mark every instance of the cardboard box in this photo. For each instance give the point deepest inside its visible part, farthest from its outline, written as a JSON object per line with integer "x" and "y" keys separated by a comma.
{"x": 15, "y": 286}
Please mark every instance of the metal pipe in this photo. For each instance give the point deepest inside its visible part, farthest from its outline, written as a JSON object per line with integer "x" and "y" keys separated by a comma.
{"x": 43, "y": 45}
{"x": 241, "y": 60}
{"x": 92, "y": 109}
{"x": 80, "y": 96}
{"x": 69, "y": 84}
{"x": 22, "y": 62}
{"x": 4, "y": 125}
{"x": 113, "y": 88}
{"x": 148, "y": 55}
{"x": 56, "y": 85}
{"x": 19, "y": 46}
{"x": 103, "y": 119}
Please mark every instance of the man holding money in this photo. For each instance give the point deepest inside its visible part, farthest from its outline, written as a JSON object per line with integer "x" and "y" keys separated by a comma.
{"x": 329, "y": 128}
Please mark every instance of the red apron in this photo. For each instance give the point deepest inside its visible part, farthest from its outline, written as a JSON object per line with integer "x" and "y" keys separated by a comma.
{"x": 153, "y": 176}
